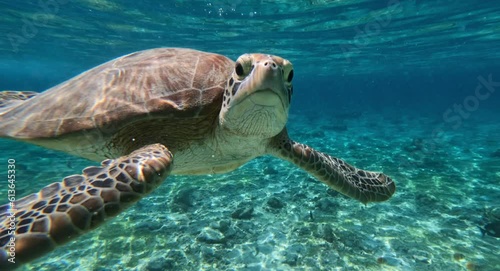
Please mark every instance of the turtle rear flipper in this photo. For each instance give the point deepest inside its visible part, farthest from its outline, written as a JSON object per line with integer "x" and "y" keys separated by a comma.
{"x": 62, "y": 211}
{"x": 359, "y": 184}
{"x": 9, "y": 98}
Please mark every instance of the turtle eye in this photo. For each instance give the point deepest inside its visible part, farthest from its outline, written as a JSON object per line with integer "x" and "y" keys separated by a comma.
{"x": 239, "y": 69}
{"x": 290, "y": 76}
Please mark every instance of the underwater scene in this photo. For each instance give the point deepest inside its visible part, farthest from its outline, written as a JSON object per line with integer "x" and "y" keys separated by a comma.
{"x": 404, "y": 87}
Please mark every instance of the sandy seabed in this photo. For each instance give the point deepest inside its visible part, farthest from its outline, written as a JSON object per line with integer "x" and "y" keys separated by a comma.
{"x": 269, "y": 215}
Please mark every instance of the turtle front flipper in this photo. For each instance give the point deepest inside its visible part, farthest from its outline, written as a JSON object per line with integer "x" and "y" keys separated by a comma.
{"x": 36, "y": 224}
{"x": 362, "y": 185}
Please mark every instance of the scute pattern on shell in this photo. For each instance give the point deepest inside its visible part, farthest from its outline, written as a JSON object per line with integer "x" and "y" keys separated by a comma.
{"x": 158, "y": 82}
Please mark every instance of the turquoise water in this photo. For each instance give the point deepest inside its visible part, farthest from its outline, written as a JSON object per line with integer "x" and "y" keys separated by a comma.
{"x": 410, "y": 88}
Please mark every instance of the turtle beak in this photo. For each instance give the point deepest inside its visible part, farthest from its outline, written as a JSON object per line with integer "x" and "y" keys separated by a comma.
{"x": 265, "y": 84}
{"x": 257, "y": 98}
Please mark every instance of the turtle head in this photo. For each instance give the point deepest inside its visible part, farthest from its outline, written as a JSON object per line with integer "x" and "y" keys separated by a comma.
{"x": 257, "y": 96}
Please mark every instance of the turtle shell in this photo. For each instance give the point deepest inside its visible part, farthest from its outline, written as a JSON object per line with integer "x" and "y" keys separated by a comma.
{"x": 177, "y": 89}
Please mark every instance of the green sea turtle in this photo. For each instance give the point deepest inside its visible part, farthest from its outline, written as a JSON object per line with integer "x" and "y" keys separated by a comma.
{"x": 147, "y": 115}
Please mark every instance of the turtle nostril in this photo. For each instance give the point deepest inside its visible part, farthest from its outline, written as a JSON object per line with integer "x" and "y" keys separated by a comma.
{"x": 273, "y": 65}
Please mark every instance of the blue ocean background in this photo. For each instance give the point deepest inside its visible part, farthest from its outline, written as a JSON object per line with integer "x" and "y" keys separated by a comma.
{"x": 407, "y": 87}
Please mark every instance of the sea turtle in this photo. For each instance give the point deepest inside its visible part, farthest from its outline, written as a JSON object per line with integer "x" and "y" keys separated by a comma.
{"x": 146, "y": 115}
